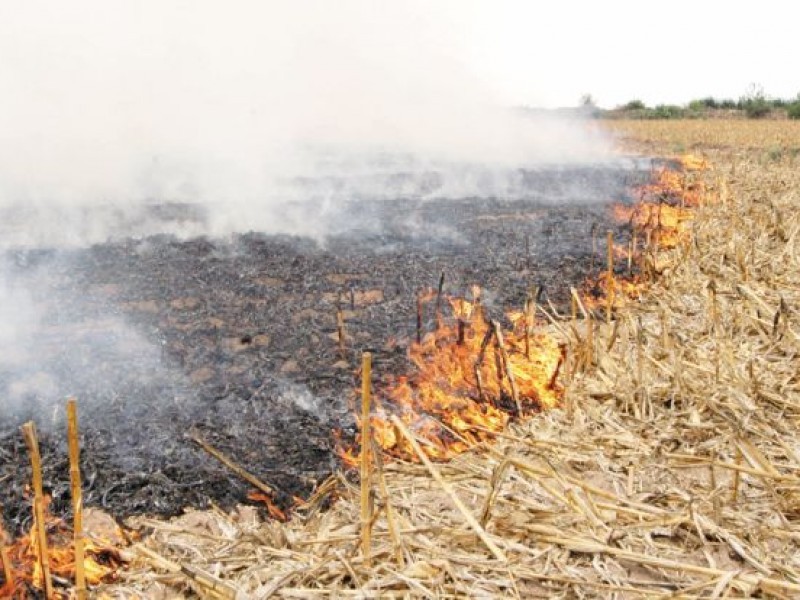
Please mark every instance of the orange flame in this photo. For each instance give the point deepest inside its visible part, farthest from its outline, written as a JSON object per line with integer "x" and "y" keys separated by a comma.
{"x": 100, "y": 560}
{"x": 273, "y": 510}
{"x": 662, "y": 216}
{"x": 470, "y": 379}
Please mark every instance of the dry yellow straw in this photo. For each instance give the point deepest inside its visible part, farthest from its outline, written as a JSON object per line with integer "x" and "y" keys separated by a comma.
{"x": 77, "y": 496}
{"x": 29, "y": 431}
{"x": 366, "y": 444}
{"x": 7, "y": 573}
{"x": 468, "y": 516}
{"x": 5, "y": 560}
{"x": 610, "y": 291}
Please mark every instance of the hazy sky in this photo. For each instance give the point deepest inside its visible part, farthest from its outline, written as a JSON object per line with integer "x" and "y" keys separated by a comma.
{"x": 672, "y": 52}
{"x": 521, "y": 52}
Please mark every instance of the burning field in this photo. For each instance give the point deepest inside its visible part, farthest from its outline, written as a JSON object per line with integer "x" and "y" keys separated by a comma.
{"x": 225, "y": 374}
{"x": 187, "y": 356}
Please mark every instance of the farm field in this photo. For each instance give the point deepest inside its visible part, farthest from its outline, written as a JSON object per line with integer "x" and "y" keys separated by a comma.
{"x": 671, "y": 468}
{"x": 633, "y": 436}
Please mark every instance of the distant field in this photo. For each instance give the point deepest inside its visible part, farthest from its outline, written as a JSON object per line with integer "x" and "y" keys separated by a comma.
{"x": 686, "y": 135}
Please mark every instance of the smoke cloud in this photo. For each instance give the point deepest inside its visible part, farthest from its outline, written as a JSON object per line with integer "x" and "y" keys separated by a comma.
{"x": 250, "y": 113}
{"x": 126, "y": 119}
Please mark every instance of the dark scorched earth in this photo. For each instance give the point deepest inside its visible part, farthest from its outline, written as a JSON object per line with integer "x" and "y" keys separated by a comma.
{"x": 234, "y": 340}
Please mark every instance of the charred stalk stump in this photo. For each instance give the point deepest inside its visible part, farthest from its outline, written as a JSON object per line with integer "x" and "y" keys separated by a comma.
{"x": 439, "y": 290}
{"x": 498, "y": 334}
{"x": 419, "y": 317}
{"x": 487, "y": 337}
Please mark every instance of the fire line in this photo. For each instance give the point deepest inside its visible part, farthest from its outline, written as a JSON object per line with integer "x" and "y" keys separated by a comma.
{"x": 471, "y": 377}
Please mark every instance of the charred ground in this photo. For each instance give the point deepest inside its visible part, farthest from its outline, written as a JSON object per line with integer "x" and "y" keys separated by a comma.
{"x": 234, "y": 340}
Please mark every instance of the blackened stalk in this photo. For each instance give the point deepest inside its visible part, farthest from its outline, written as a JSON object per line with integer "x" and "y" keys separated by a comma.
{"x": 340, "y": 329}
{"x": 527, "y": 324}
{"x": 498, "y": 334}
{"x": 479, "y": 362}
{"x": 528, "y": 251}
{"x": 439, "y": 301}
{"x": 419, "y": 317}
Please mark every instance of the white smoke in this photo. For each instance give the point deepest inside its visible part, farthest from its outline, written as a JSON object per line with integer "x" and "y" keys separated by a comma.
{"x": 243, "y": 109}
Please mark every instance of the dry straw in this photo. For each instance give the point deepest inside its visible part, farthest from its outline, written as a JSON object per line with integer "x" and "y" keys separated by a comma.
{"x": 41, "y": 548}
{"x": 77, "y": 497}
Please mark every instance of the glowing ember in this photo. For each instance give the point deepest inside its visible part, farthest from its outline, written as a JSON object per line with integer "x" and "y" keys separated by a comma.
{"x": 100, "y": 562}
{"x": 274, "y": 512}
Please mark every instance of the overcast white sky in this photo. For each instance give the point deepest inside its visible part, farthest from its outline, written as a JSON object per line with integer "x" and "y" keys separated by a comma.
{"x": 523, "y": 52}
{"x": 670, "y": 52}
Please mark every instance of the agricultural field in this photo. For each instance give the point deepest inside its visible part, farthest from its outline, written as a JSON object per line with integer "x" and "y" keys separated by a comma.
{"x": 671, "y": 467}
{"x": 635, "y": 437}
{"x": 732, "y": 137}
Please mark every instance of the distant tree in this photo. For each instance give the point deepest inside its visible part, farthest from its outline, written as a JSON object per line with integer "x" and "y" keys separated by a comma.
{"x": 793, "y": 109}
{"x": 635, "y": 105}
{"x": 709, "y": 102}
{"x": 754, "y": 102}
{"x": 587, "y": 101}
{"x": 668, "y": 111}
{"x": 701, "y": 105}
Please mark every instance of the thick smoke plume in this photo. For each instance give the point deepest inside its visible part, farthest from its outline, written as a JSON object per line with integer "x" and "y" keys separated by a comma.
{"x": 248, "y": 112}
{"x": 126, "y": 119}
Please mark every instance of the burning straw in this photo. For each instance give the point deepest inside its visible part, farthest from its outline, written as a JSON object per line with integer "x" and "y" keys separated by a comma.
{"x": 77, "y": 497}
{"x": 5, "y": 561}
{"x": 40, "y": 547}
{"x": 366, "y": 450}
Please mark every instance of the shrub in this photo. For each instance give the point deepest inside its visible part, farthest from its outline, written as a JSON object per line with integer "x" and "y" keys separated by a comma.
{"x": 668, "y": 111}
{"x": 702, "y": 105}
{"x": 755, "y": 103}
{"x": 793, "y": 109}
{"x": 635, "y": 105}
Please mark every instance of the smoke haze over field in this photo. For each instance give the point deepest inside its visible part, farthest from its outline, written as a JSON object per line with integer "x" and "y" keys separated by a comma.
{"x": 108, "y": 105}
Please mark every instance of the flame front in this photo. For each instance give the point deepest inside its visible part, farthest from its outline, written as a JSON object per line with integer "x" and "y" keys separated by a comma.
{"x": 100, "y": 560}
{"x": 660, "y": 220}
{"x": 470, "y": 379}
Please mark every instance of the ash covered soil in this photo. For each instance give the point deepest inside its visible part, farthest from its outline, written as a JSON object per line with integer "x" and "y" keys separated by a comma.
{"x": 234, "y": 339}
